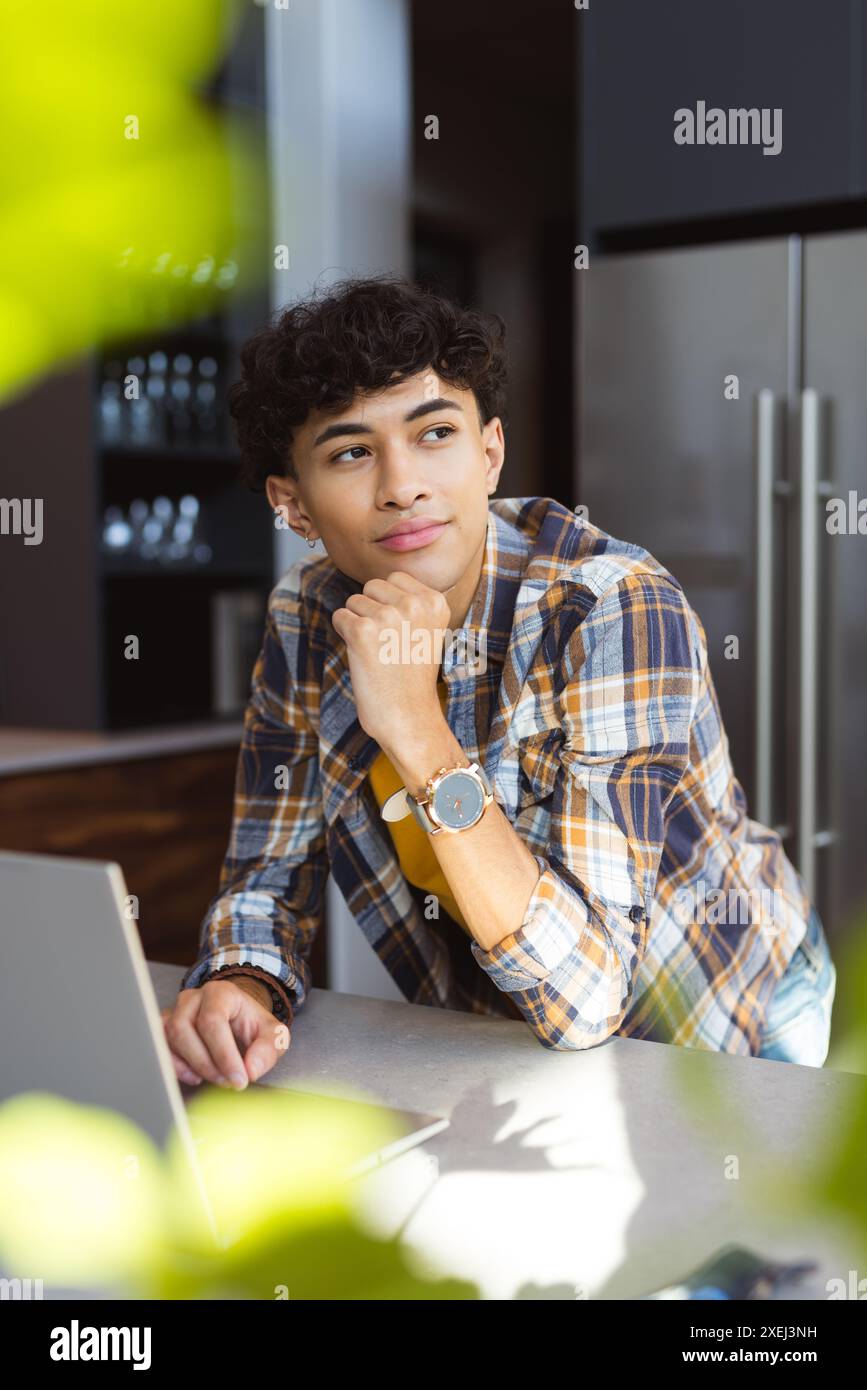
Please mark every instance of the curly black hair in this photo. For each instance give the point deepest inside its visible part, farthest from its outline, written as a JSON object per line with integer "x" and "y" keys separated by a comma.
{"x": 360, "y": 335}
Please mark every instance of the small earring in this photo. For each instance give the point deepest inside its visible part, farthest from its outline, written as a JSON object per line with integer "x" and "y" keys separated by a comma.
{"x": 308, "y": 540}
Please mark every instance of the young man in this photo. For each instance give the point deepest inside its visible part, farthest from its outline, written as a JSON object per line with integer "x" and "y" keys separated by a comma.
{"x": 527, "y": 699}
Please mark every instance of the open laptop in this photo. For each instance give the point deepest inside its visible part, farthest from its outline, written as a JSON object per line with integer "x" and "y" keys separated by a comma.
{"x": 78, "y": 1013}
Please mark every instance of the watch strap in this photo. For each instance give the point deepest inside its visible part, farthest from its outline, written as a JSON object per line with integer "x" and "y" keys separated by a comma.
{"x": 422, "y": 816}
{"x": 396, "y": 806}
{"x": 485, "y": 779}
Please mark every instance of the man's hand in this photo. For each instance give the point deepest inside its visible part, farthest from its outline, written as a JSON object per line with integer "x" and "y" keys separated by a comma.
{"x": 394, "y": 698}
{"x": 224, "y": 1032}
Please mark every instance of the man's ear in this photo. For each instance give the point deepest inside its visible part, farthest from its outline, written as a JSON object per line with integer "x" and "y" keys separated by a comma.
{"x": 495, "y": 452}
{"x": 282, "y": 498}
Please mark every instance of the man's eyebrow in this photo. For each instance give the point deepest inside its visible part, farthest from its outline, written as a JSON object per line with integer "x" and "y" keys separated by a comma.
{"x": 357, "y": 427}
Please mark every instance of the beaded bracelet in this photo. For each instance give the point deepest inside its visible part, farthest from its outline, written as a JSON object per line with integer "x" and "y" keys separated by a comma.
{"x": 278, "y": 1003}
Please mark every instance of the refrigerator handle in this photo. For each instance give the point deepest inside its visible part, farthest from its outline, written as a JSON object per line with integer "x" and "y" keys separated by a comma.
{"x": 808, "y": 631}
{"x": 811, "y": 487}
{"x": 764, "y": 455}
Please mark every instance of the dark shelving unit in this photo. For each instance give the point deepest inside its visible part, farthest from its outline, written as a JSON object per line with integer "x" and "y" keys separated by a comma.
{"x": 140, "y": 425}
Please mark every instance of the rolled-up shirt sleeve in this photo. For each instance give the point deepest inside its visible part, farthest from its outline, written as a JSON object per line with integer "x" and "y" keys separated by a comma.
{"x": 270, "y": 903}
{"x": 629, "y": 677}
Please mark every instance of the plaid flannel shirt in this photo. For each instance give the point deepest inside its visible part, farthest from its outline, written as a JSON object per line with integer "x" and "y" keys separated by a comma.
{"x": 597, "y": 721}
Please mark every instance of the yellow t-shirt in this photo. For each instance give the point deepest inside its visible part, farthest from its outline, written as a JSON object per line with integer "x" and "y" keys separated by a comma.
{"x": 415, "y": 852}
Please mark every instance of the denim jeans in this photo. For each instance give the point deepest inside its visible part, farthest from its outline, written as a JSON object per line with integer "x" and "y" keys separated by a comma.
{"x": 798, "y": 1021}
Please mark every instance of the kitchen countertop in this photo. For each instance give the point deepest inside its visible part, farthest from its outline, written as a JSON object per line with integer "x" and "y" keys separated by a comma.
{"x": 606, "y": 1173}
{"x": 46, "y": 750}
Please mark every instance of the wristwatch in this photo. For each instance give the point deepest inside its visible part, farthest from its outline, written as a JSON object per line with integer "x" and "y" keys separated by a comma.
{"x": 454, "y": 799}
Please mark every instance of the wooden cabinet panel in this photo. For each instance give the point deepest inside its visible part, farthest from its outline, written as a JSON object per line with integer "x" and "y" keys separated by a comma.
{"x": 165, "y": 821}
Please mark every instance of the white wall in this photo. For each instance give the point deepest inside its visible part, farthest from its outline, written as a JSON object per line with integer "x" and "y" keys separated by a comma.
{"x": 338, "y": 78}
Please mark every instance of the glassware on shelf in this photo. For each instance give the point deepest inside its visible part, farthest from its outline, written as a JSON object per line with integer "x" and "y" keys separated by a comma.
{"x": 163, "y": 509}
{"x": 177, "y": 401}
{"x": 111, "y": 412}
{"x": 205, "y": 408}
{"x": 161, "y": 532}
{"x": 137, "y": 409}
{"x": 138, "y": 514}
{"x": 158, "y": 528}
{"x": 152, "y": 535}
{"x": 205, "y": 397}
{"x": 141, "y": 416}
{"x": 117, "y": 534}
{"x": 189, "y": 506}
{"x": 155, "y": 388}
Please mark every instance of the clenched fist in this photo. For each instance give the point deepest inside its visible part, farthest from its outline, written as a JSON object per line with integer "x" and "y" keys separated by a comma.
{"x": 394, "y": 632}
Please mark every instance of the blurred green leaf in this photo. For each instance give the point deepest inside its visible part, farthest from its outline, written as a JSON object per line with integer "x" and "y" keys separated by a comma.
{"x": 88, "y": 1201}
{"x": 104, "y": 234}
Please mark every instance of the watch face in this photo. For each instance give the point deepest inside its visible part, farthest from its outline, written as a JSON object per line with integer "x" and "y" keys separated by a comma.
{"x": 458, "y": 800}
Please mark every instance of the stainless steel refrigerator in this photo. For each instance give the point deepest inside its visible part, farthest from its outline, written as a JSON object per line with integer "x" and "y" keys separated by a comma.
{"x": 722, "y": 420}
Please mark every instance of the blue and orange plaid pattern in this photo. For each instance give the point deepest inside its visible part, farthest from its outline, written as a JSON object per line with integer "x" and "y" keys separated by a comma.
{"x": 597, "y": 721}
